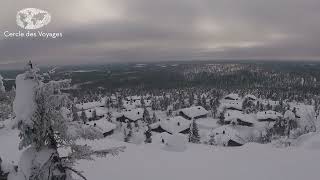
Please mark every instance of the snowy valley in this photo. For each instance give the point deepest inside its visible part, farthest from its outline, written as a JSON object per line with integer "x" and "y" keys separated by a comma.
{"x": 47, "y": 130}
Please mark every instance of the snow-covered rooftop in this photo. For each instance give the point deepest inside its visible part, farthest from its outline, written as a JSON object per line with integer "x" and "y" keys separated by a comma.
{"x": 251, "y": 97}
{"x": 175, "y": 124}
{"x": 100, "y": 112}
{"x": 234, "y": 104}
{"x": 232, "y": 115}
{"x": 103, "y": 124}
{"x": 268, "y": 115}
{"x": 134, "y": 114}
{"x": 90, "y": 105}
{"x": 232, "y": 96}
{"x": 194, "y": 111}
{"x": 225, "y": 133}
{"x": 269, "y": 102}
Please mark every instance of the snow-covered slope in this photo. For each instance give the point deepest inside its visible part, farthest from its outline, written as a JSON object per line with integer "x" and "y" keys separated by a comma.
{"x": 249, "y": 162}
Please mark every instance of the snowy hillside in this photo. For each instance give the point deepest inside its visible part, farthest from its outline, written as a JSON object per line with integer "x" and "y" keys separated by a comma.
{"x": 151, "y": 161}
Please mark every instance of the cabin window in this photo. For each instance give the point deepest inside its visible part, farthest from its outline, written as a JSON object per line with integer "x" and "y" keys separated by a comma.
{"x": 223, "y": 132}
{"x": 178, "y": 123}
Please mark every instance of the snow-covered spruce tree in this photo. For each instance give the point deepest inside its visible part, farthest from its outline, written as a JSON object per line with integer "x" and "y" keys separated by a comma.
{"x": 191, "y": 99}
{"x": 83, "y": 116}
{"x": 75, "y": 116}
{"x": 212, "y": 140}
{"x": 154, "y": 118}
{"x": 148, "y": 135}
{"x": 2, "y": 88}
{"x": 142, "y": 102}
{"x": 94, "y": 114}
{"x": 199, "y": 102}
{"x": 40, "y": 110}
{"x": 214, "y": 105}
{"x": 204, "y": 101}
{"x": 146, "y": 117}
{"x": 128, "y": 132}
{"x": 221, "y": 118}
{"x": 108, "y": 103}
{"x": 120, "y": 104}
{"x": 109, "y": 116}
{"x": 154, "y": 104}
{"x": 194, "y": 132}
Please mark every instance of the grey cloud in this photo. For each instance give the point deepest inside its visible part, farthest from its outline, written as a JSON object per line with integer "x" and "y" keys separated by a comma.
{"x": 152, "y": 30}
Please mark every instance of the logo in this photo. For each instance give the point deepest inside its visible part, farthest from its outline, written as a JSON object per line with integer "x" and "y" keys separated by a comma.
{"x": 32, "y": 18}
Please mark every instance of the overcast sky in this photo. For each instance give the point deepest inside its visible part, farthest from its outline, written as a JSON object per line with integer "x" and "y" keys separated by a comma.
{"x": 165, "y": 30}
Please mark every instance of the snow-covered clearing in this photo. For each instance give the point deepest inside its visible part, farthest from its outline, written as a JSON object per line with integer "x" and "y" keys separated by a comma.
{"x": 151, "y": 161}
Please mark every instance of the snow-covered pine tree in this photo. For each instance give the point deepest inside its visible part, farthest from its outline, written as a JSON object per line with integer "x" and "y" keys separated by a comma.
{"x": 212, "y": 140}
{"x": 154, "y": 105}
{"x": 148, "y": 135}
{"x": 75, "y": 116}
{"x": 146, "y": 117}
{"x": 108, "y": 103}
{"x": 204, "y": 101}
{"x": 194, "y": 132}
{"x": 191, "y": 99}
{"x": 94, "y": 114}
{"x": 199, "y": 102}
{"x": 154, "y": 118}
{"x": 221, "y": 118}
{"x": 120, "y": 104}
{"x": 128, "y": 132}
{"x": 2, "y": 88}
{"x": 83, "y": 116}
{"x": 109, "y": 116}
{"x": 142, "y": 102}
{"x": 40, "y": 110}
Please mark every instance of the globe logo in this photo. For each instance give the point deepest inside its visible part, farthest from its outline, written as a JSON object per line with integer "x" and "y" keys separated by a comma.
{"x": 32, "y": 18}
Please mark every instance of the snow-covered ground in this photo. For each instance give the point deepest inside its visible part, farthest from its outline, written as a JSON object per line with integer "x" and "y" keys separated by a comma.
{"x": 151, "y": 161}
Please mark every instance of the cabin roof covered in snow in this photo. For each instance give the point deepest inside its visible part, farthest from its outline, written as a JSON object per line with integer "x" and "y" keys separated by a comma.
{"x": 99, "y": 110}
{"x": 251, "y": 96}
{"x": 226, "y": 133}
{"x": 194, "y": 111}
{"x": 232, "y": 115}
{"x": 175, "y": 124}
{"x": 269, "y": 102}
{"x": 90, "y": 105}
{"x": 232, "y": 96}
{"x": 103, "y": 124}
{"x": 268, "y": 115}
{"x": 134, "y": 114}
{"x": 234, "y": 104}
